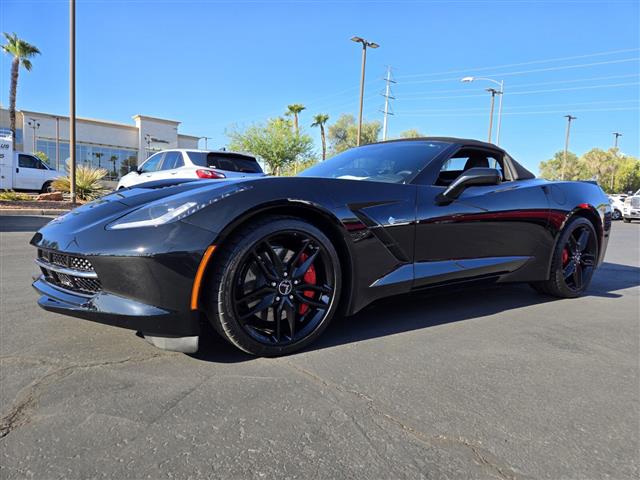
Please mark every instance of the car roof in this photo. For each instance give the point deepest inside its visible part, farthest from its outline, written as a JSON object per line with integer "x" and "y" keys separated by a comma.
{"x": 453, "y": 140}
{"x": 199, "y": 150}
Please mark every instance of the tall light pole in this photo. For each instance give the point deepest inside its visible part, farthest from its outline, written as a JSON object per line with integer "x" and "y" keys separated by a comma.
{"x": 34, "y": 124}
{"x": 365, "y": 44}
{"x": 569, "y": 118}
{"x": 498, "y": 92}
{"x": 616, "y": 135}
{"x": 206, "y": 139}
{"x": 72, "y": 98}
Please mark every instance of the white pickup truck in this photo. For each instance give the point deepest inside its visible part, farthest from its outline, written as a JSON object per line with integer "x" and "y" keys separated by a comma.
{"x": 23, "y": 171}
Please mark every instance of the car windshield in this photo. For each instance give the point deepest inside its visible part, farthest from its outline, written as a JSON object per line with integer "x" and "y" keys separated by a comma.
{"x": 392, "y": 162}
{"x": 230, "y": 162}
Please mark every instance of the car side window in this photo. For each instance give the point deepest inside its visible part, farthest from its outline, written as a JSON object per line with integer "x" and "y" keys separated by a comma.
{"x": 172, "y": 160}
{"x": 466, "y": 159}
{"x": 27, "y": 161}
{"x": 152, "y": 164}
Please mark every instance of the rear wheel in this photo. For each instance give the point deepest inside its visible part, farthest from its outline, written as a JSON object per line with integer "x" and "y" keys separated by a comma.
{"x": 574, "y": 261}
{"x": 274, "y": 287}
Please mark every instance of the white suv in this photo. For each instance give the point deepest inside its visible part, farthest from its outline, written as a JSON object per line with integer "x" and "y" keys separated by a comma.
{"x": 187, "y": 164}
{"x": 631, "y": 210}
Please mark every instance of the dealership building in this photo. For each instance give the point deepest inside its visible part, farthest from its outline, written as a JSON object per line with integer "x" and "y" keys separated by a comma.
{"x": 116, "y": 147}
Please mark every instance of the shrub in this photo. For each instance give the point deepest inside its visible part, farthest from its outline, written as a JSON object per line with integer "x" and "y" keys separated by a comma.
{"x": 88, "y": 182}
{"x": 11, "y": 196}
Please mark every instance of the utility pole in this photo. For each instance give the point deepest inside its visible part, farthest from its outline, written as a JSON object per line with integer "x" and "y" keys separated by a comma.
{"x": 57, "y": 143}
{"x": 616, "y": 135}
{"x": 569, "y": 118}
{"x": 365, "y": 44}
{"x": 72, "y": 98}
{"x": 493, "y": 93}
{"x": 388, "y": 95}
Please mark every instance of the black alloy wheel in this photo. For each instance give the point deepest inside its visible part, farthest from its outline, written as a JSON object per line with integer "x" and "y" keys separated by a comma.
{"x": 574, "y": 261}
{"x": 277, "y": 286}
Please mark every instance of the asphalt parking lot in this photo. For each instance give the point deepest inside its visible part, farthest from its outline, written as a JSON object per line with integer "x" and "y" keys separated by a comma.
{"x": 493, "y": 383}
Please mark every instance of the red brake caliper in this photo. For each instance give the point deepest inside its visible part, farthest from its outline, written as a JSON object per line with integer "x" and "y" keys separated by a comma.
{"x": 565, "y": 256}
{"x": 309, "y": 278}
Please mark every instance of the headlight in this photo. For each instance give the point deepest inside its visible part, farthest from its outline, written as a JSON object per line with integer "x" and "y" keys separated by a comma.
{"x": 172, "y": 209}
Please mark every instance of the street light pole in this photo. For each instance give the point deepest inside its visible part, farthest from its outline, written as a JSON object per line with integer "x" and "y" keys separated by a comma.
{"x": 72, "y": 98}
{"x": 500, "y": 112}
{"x": 616, "y": 135}
{"x": 365, "y": 44}
{"x": 493, "y": 93}
{"x": 569, "y": 118}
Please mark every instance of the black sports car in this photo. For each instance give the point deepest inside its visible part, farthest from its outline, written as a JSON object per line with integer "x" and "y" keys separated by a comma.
{"x": 269, "y": 261}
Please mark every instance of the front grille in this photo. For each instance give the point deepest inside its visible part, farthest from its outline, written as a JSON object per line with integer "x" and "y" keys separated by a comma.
{"x": 634, "y": 201}
{"x": 70, "y": 272}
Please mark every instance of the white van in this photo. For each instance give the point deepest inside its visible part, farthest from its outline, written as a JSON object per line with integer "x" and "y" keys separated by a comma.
{"x": 23, "y": 171}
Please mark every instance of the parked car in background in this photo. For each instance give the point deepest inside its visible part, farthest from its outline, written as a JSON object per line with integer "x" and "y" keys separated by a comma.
{"x": 617, "y": 205}
{"x": 631, "y": 209}
{"x": 190, "y": 164}
{"x": 23, "y": 171}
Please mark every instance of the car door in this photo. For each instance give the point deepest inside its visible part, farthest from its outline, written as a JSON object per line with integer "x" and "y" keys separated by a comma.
{"x": 486, "y": 231}
{"x": 149, "y": 170}
{"x": 29, "y": 173}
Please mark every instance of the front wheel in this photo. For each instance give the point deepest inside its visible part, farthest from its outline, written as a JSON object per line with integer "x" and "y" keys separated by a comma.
{"x": 616, "y": 215}
{"x": 47, "y": 188}
{"x": 274, "y": 286}
{"x": 626, "y": 220}
{"x": 574, "y": 261}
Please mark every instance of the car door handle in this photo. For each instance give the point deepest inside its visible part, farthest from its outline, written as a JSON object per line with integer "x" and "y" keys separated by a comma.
{"x": 17, "y": 170}
{"x": 173, "y": 173}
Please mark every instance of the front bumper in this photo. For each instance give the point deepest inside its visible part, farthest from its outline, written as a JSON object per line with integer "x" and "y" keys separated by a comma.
{"x": 111, "y": 309}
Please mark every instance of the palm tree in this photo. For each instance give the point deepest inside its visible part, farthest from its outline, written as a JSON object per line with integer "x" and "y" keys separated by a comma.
{"x": 318, "y": 121}
{"x": 21, "y": 52}
{"x": 294, "y": 110}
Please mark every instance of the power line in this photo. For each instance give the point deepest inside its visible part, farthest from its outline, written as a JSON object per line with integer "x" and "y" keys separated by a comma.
{"x": 515, "y": 107}
{"x": 528, "y": 92}
{"x": 522, "y": 85}
{"x": 533, "y": 62}
{"x": 620, "y": 109}
{"x": 535, "y": 70}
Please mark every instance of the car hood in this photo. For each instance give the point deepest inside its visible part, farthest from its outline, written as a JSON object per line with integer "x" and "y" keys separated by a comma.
{"x": 110, "y": 207}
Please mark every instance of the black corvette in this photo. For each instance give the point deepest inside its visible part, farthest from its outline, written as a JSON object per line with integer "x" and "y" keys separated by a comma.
{"x": 269, "y": 261}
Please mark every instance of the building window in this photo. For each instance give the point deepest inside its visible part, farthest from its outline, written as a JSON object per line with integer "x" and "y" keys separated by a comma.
{"x": 116, "y": 161}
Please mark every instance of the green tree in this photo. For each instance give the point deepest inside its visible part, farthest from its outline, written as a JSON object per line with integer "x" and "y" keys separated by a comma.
{"x": 21, "y": 52}
{"x": 274, "y": 142}
{"x": 552, "y": 169}
{"x": 294, "y": 110}
{"x": 627, "y": 175}
{"x": 412, "y": 133}
{"x": 320, "y": 120}
{"x": 600, "y": 165}
{"x": 343, "y": 134}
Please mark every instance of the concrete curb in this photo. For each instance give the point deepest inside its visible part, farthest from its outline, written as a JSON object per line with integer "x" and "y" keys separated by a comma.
{"x": 8, "y": 212}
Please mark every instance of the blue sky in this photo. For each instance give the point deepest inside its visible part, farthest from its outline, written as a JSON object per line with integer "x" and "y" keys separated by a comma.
{"x": 211, "y": 64}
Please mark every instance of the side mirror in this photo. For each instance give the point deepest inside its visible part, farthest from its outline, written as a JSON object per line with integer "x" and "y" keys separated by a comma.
{"x": 473, "y": 177}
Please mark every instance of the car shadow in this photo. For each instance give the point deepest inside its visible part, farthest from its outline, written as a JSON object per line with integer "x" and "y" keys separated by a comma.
{"x": 22, "y": 223}
{"x": 427, "y": 309}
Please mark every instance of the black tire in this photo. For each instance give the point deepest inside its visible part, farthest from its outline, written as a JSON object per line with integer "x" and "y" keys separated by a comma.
{"x": 616, "y": 215}
{"x": 574, "y": 261}
{"x": 246, "y": 258}
{"x": 47, "y": 188}
{"x": 626, "y": 220}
